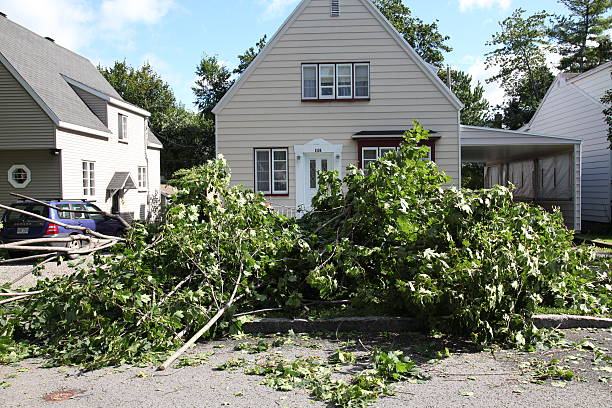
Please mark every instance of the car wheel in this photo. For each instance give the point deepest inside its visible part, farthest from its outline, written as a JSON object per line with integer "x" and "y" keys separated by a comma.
{"x": 74, "y": 246}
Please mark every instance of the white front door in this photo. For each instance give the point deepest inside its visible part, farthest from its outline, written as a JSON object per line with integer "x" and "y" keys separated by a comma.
{"x": 315, "y": 162}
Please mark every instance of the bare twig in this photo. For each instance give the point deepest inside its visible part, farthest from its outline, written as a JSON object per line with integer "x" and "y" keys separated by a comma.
{"x": 27, "y": 258}
{"x": 208, "y": 325}
{"x": 104, "y": 213}
{"x": 273, "y": 309}
{"x": 21, "y": 293}
{"x": 24, "y": 242}
{"x": 13, "y": 299}
{"x": 61, "y": 224}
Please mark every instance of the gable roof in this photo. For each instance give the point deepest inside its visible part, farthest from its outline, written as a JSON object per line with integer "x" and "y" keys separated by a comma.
{"x": 42, "y": 66}
{"x": 425, "y": 67}
{"x": 569, "y": 78}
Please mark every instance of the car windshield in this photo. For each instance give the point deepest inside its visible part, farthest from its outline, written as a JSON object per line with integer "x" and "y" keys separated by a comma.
{"x": 13, "y": 217}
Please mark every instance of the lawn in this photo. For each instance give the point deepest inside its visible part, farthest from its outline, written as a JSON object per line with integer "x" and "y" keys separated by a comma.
{"x": 605, "y": 238}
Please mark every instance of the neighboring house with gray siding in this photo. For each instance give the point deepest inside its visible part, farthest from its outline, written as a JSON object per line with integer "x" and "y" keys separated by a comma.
{"x": 572, "y": 107}
{"x": 65, "y": 133}
{"x": 338, "y": 85}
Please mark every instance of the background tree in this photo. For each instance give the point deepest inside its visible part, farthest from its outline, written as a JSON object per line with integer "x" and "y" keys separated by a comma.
{"x": 250, "y": 54}
{"x": 520, "y": 55}
{"x": 214, "y": 80}
{"x": 188, "y": 138}
{"x": 607, "y": 101}
{"x": 582, "y": 36}
{"x": 476, "y": 106}
{"x": 142, "y": 87}
{"x": 523, "y": 103}
{"x": 424, "y": 38}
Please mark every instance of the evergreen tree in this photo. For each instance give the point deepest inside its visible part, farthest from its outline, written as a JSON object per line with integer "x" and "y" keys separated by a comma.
{"x": 582, "y": 37}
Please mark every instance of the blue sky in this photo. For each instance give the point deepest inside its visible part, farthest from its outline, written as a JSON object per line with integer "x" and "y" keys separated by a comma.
{"x": 172, "y": 35}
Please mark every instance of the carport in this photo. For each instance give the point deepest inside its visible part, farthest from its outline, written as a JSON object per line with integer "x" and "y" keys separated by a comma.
{"x": 544, "y": 169}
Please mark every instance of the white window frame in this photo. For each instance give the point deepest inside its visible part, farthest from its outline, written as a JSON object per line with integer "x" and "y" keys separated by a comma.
{"x": 332, "y": 87}
{"x": 122, "y": 133}
{"x": 351, "y": 85}
{"x": 11, "y": 178}
{"x": 142, "y": 178}
{"x": 88, "y": 169}
{"x": 364, "y": 161}
{"x": 316, "y": 68}
{"x": 270, "y": 152}
{"x": 355, "y": 66}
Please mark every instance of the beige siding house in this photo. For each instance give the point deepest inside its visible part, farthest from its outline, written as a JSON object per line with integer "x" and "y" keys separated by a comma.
{"x": 338, "y": 85}
{"x": 572, "y": 107}
{"x": 330, "y": 90}
{"x": 65, "y": 133}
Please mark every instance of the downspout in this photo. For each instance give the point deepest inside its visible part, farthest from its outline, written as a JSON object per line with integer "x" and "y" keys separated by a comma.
{"x": 146, "y": 152}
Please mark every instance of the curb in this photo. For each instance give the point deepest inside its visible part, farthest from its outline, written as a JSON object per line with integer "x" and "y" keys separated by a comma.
{"x": 371, "y": 324}
{"x": 550, "y": 321}
{"x": 368, "y": 324}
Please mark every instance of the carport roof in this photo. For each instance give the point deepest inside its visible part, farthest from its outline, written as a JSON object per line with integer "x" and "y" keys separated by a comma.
{"x": 480, "y": 144}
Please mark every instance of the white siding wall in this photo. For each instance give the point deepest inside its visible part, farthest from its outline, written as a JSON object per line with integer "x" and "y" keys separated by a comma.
{"x": 110, "y": 156}
{"x": 568, "y": 112}
{"x": 267, "y": 110}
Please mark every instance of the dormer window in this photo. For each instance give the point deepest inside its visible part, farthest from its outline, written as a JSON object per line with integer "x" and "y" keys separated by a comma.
{"x": 341, "y": 81}
{"x": 123, "y": 128}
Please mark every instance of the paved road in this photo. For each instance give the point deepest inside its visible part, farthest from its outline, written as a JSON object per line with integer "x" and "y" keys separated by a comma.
{"x": 484, "y": 379}
{"x": 19, "y": 277}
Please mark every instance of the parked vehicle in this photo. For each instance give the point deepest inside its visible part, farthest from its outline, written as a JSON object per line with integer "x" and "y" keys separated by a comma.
{"x": 19, "y": 227}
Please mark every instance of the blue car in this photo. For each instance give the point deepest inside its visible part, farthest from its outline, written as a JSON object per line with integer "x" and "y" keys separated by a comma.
{"x": 19, "y": 227}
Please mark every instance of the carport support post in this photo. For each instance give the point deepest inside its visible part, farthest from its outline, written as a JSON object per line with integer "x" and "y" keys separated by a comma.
{"x": 577, "y": 173}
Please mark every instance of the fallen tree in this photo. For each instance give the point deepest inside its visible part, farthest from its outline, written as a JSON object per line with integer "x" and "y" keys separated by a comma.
{"x": 469, "y": 262}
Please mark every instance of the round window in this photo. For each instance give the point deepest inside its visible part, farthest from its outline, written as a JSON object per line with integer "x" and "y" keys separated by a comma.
{"x": 19, "y": 176}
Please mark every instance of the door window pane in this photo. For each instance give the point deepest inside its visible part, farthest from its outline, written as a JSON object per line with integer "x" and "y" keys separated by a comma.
{"x": 90, "y": 207}
{"x": 64, "y": 215}
{"x": 79, "y": 207}
{"x": 313, "y": 174}
{"x": 324, "y": 165}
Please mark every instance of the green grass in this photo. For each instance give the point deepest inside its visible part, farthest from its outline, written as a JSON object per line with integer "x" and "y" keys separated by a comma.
{"x": 606, "y": 238}
{"x": 562, "y": 310}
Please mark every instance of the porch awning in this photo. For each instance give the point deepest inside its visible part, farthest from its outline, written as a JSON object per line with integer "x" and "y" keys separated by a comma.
{"x": 121, "y": 181}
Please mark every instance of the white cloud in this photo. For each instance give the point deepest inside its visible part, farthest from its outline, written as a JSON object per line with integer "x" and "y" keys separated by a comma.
{"x": 74, "y": 24}
{"x": 275, "y": 8}
{"x": 66, "y": 21}
{"x": 465, "y": 5}
{"x": 116, "y": 15}
{"x": 479, "y": 72}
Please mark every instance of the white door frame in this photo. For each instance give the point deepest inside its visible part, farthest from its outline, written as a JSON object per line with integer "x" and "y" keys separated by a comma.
{"x": 314, "y": 146}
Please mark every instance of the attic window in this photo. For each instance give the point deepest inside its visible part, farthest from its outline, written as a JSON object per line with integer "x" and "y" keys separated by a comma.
{"x": 335, "y": 8}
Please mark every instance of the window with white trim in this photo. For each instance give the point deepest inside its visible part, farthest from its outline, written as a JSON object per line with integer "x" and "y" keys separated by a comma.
{"x": 309, "y": 81}
{"x": 341, "y": 81}
{"x": 327, "y": 83}
{"x": 89, "y": 178}
{"x": 123, "y": 127}
{"x": 362, "y": 81}
{"x": 19, "y": 176}
{"x": 272, "y": 171}
{"x": 142, "y": 178}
